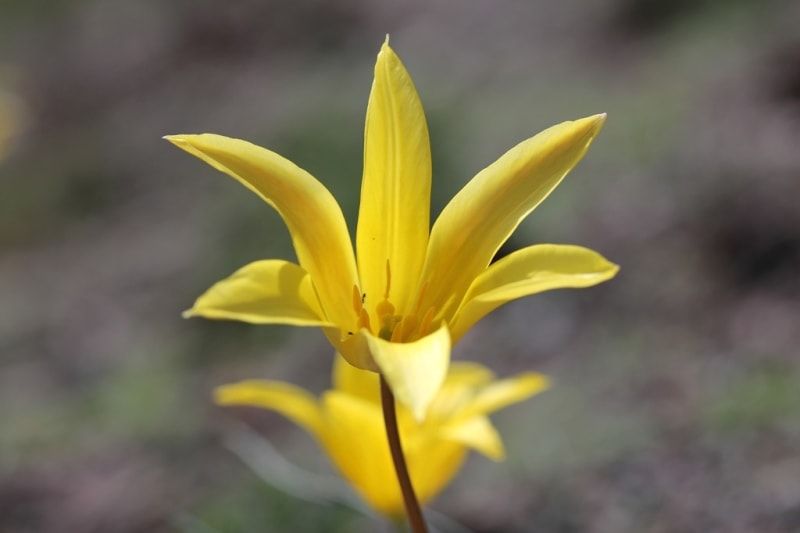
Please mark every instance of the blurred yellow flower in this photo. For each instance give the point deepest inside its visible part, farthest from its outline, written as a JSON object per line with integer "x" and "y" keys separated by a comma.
{"x": 8, "y": 120}
{"x": 348, "y": 423}
{"x": 414, "y": 290}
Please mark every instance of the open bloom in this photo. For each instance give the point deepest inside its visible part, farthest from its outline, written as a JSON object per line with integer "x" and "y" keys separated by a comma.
{"x": 410, "y": 291}
{"x": 348, "y": 423}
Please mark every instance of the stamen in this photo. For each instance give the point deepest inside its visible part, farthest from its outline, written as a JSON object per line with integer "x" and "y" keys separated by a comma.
{"x": 363, "y": 320}
{"x": 384, "y": 308}
{"x": 357, "y": 302}
{"x": 427, "y": 320}
{"x": 388, "y": 279}
{"x": 420, "y": 296}
{"x": 397, "y": 332}
{"x": 405, "y": 328}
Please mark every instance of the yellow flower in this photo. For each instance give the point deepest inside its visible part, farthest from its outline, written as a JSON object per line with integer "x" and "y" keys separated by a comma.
{"x": 414, "y": 290}
{"x": 8, "y": 120}
{"x": 348, "y": 423}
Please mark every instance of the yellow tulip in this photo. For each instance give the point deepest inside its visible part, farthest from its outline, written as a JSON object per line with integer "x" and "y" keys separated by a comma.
{"x": 414, "y": 290}
{"x": 348, "y": 423}
{"x": 9, "y": 117}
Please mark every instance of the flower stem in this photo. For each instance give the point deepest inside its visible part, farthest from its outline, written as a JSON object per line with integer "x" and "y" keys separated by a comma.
{"x": 413, "y": 510}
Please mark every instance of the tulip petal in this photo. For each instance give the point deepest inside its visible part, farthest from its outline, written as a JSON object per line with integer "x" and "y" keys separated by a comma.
{"x": 314, "y": 219}
{"x": 354, "y": 381}
{"x": 503, "y": 393}
{"x": 353, "y": 347}
{"x": 467, "y": 374}
{"x": 263, "y": 292}
{"x": 480, "y": 218}
{"x": 528, "y": 271}
{"x": 462, "y": 380}
{"x": 355, "y": 440}
{"x": 432, "y": 463}
{"x": 478, "y": 433}
{"x": 415, "y": 370}
{"x": 393, "y": 220}
{"x": 294, "y": 403}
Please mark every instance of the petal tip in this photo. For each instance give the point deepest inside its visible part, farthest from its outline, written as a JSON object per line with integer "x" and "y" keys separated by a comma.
{"x": 415, "y": 371}
{"x": 497, "y": 455}
{"x": 545, "y": 383}
{"x": 386, "y": 50}
{"x": 609, "y": 270}
{"x": 222, "y": 395}
{"x": 596, "y": 122}
{"x": 532, "y": 383}
{"x": 177, "y": 140}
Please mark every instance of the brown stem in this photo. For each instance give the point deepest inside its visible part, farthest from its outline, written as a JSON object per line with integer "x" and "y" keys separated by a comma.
{"x": 413, "y": 510}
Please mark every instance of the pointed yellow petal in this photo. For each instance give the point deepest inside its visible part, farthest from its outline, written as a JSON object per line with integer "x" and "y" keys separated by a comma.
{"x": 480, "y": 218}
{"x": 432, "y": 463}
{"x": 477, "y": 433}
{"x": 459, "y": 387}
{"x": 466, "y": 374}
{"x": 355, "y": 440}
{"x": 415, "y": 370}
{"x": 315, "y": 221}
{"x": 393, "y": 220}
{"x": 263, "y": 292}
{"x": 504, "y": 393}
{"x": 292, "y": 402}
{"x": 356, "y": 382}
{"x": 528, "y": 271}
{"x": 353, "y": 347}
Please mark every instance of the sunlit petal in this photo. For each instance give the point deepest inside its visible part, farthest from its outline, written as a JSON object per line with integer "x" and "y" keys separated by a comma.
{"x": 355, "y": 440}
{"x": 505, "y": 392}
{"x": 415, "y": 370}
{"x": 480, "y": 218}
{"x": 354, "y": 381}
{"x": 315, "y": 221}
{"x": 432, "y": 463}
{"x": 263, "y": 292}
{"x": 292, "y": 402}
{"x": 466, "y": 374}
{"x": 459, "y": 387}
{"x": 533, "y": 269}
{"x": 353, "y": 347}
{"x": 393, "y": 219}
{"x": 478, "y": 433}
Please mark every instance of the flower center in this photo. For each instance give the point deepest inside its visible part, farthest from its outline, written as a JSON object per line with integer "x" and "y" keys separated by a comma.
{"x": 392, "y": 326}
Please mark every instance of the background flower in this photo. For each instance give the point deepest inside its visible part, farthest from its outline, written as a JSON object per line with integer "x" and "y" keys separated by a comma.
{"x": 348, "y": 423}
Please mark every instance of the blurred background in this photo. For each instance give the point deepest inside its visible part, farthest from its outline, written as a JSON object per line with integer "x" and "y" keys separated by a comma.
{"x": 677, "y": 398}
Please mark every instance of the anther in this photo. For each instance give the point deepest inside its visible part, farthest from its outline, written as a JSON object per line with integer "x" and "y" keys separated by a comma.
{"x": 388, "y": 279}
{"x": 363, "y": 320}
{"x": 357, "y": 300}
{"x": 397, "y": 333}
{"x": 426, "y": 322}
{"x": 404, "y": 328}
{"x": 420, "y": 296}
